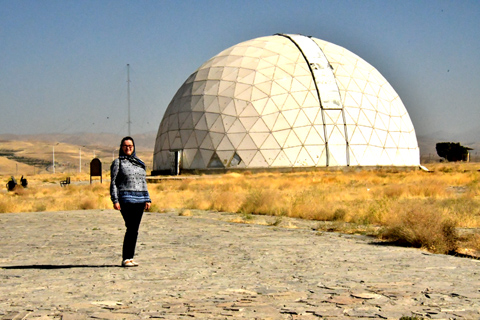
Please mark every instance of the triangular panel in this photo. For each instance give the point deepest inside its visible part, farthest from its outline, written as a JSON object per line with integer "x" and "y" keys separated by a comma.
{"x": 197, "y": 162}
{"x": 270, "y": 155}
{"x": 281, "y": 160}
{"x": 281, "y": 136}
{"x": 270, "y": 143}
{"x": 247, "y": 144}
{"x": 259, "y": 137}
{"x": 225, "y": 144}
{"x": 236, "y": 138}
{"x": 237, "y": 127}
{"x": 281, "y": 123}
{"x": 258, "y": 161}
{"x": 206, "y": 156}
{"x": 304, "y": 159}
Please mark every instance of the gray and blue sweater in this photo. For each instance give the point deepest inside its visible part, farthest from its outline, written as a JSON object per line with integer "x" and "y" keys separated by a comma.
{"x": 128, "y": 182}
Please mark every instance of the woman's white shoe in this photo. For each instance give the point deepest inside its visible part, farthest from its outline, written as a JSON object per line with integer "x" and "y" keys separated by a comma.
{"x": 129, "y": 263}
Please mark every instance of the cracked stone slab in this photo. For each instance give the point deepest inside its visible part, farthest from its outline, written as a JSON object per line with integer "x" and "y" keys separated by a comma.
{"x": 207, "y": 266}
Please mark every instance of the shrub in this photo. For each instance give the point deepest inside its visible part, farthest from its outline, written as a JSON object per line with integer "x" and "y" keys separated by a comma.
{"x": 40, "y": 207}
{"x": 88, "y": 204}
{"x": 4, "y": 207}
{"x": 260, "y": 201}
{"x": 422, "y": 226}
{"x": 185, "y": 213}
{"x": 225, "y": 201}
{"x": 339, "y": 215}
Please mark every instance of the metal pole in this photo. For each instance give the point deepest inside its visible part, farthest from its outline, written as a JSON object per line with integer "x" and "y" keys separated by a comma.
{"x": 128, "y": 97}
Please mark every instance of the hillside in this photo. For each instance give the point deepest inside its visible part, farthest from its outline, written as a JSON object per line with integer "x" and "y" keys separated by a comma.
{"x": 33, "y": 154}
{"x": 29, "y": 154}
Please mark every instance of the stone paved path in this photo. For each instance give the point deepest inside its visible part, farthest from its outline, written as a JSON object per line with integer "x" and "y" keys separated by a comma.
{"x": 65, "y": 265}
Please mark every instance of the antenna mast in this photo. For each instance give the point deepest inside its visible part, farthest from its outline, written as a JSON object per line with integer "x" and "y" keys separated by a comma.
{"x": 128, "y": 97}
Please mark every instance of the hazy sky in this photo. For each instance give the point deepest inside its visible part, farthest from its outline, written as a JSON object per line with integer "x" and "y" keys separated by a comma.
{"x": 63, "y": 64}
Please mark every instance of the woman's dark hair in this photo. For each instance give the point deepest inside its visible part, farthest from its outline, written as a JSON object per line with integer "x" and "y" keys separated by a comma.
{"x": 120, "y": 152}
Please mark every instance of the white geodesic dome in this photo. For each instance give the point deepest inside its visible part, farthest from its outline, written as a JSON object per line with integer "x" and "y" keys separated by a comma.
{"x": 285, "y": 101}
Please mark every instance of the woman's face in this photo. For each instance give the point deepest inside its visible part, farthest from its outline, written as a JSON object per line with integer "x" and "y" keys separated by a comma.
{"x": 127, "y": 147}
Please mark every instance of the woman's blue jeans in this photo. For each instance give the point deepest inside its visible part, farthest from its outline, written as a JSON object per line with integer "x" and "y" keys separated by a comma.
{"x": 132, "y": 215}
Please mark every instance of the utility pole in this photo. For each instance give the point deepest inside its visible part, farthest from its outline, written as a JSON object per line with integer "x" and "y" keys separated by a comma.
{"x": 128, "y": 97}
{"x": 53, "y": 156}
{"x": 53, "y": 160}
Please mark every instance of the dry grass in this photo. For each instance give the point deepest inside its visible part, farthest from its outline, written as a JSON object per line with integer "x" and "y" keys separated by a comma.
{"x": 45, "y": 194}
{"x": 422, "y": 225}
{"x": 416, "y": 208}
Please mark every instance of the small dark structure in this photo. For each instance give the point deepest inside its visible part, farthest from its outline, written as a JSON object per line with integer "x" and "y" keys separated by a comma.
{"x": 95, "y": 169}
{"x": 453, "y": 151}
{"x": 11, "y": 184}
{"x": 23, "y": 182}
{"x": 65, "y": 182}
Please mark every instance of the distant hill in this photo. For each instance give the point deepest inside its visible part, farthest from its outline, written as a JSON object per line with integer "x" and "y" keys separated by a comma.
{"x": 30, "y": 154}
{"x": 22, "y": 152}
{"x": 144, "y": 142}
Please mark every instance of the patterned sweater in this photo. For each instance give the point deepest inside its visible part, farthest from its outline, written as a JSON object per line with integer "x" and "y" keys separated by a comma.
{"x": 128, "y": 183}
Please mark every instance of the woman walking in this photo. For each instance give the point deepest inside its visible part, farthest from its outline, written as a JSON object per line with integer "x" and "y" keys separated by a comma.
{"x": 129, "y": 194}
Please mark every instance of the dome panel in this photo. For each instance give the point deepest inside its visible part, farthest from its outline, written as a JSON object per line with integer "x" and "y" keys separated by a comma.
{"x": 270, "y": 118}
{"x": 304, "y": 159}
{"x": 259, "y": 126}
{"x": 281, "y": 123}
{"x": 281, "y": 136}
{"x": 258, "y": 161}
{"x": 237, "y": 127}
{"x": 270, "y": 155}
{"x": 207, "y": 143}
{"x": 236, "y": 138}
{"x": 302, "y": 133}
{"x": 240, "y": 105}
{"x": 201, "y": 124}
{"x": 230, "y": 109}
{"x": 215, "y": 73}
{"x": 270, "y": 143}
{"x": 248, "y": 122}
{"x": 291, "y": 115}
{"x": 281, "y": 161}
{"x": 292, "y": 140}
{"x": 292, "y": 153}
{"x": 247, "y": 155}
{"x": 191, "y": 141}
{"x": 259, "y": 138}
{"x": 206, "y": 155}
{"x": 314, "y": 138}
{"x": 225, "y": 144}
{"x": 226, "y": 88}
{"x": 260, "y": 104}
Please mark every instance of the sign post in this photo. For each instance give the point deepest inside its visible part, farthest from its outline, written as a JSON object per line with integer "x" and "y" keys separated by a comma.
{"x": 95, "y": 169}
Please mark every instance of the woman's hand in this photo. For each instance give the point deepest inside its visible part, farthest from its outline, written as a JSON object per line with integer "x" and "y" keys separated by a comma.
{"x": 147, "y": 206}
{"x": 116, "y": 206}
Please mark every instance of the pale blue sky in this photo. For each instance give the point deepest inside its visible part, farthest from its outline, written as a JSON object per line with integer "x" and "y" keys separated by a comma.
{"x": 63, "y": 63}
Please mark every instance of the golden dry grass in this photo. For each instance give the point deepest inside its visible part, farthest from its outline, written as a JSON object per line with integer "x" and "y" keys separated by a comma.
{"x": 410, "y": 207}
